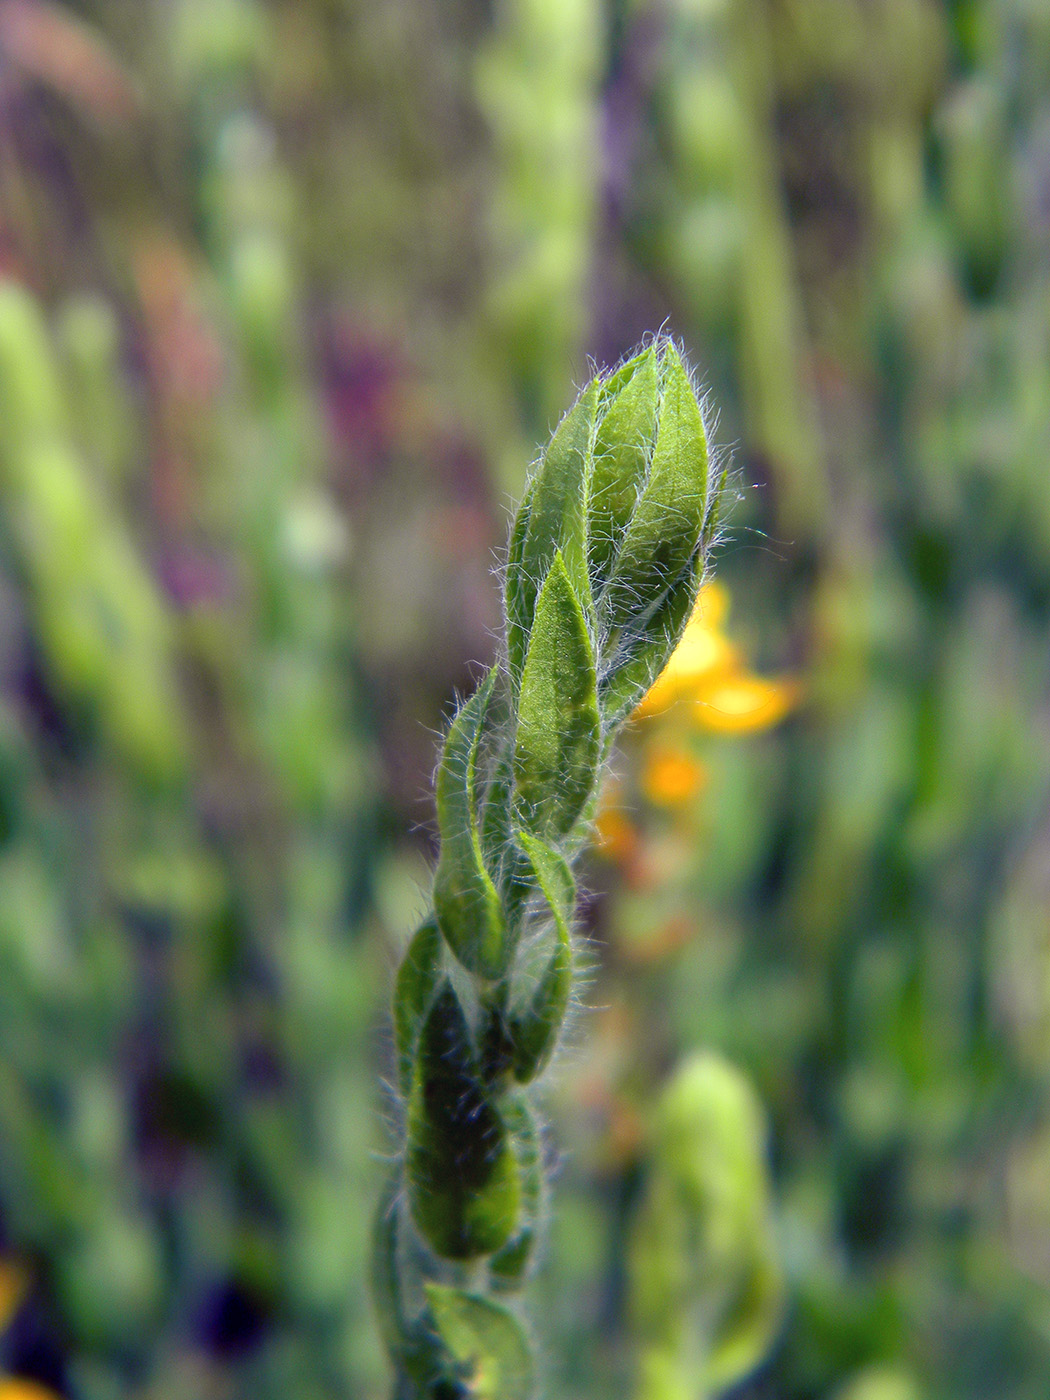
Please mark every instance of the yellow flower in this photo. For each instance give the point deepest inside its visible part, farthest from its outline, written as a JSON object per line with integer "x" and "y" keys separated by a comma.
{"x": 707, "y": 670}
{"x": 703, "y": 654}
{"x": 739, "y": 704}
{"x": 712, "y": 605}
{"x": 707, "y": 681}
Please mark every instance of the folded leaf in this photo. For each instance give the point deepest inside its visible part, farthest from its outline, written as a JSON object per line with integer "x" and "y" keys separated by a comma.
{"x": 463, "y": 1184}
{"x": 503, "y": 856}
{"x": 637, "y": 654}
{"x": 557, "y": 512}
{"x": 417, "y": 981}
{"x": 557, "y": 742}
{"x": 623, "y": 449}
{"x": 668, "y": 522}
{"x": 466, "y": 901}
{"x": 508, "y": 1267}
{"x": 535, "y": 1027}
{"x": 518, "y": 589}
{"x": 415, "y": 1348}
{"x": 486, "y": 1340}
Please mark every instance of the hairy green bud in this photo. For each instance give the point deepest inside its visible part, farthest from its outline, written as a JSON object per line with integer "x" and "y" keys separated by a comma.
{"x": 606, "y": 555}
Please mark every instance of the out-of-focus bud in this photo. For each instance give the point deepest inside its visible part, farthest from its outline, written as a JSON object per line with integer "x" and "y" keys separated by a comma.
{"x": 706, "y": 1284}
{"x": 216, "y": 39}
{"x": 705, "y": 122}
{"x": 881, "y": 1383}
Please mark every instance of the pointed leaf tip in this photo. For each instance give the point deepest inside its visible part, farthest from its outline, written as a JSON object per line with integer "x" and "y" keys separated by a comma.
{"x": 555, "y": 523}
{"x": 417, "y": 981}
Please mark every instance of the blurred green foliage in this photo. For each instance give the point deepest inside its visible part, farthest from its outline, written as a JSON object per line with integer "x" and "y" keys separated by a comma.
{"x": 291, "y": 289}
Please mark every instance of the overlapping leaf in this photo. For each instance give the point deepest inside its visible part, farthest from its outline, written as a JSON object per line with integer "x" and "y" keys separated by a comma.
{"x": 667, "y": 525}
{"x": 535, "y": 1026}
{"x": 557, "y": 742}
{"x": 466, "y": 901}
{"x": 462, "y": 1176}
{"x": 486, "y": 1339}
{"x": 553, "y": 520}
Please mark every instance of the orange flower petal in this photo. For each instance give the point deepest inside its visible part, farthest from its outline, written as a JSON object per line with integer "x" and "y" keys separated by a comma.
{"x": 672, "y": 777}
{"x": 666, "y": 939}
{"x": 616, "y": 836}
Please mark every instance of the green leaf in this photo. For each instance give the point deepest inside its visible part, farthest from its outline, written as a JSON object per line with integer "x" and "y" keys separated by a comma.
{"x": 496, "y": 823}
{"x": 557, "y": 515}
{"x": 519, "y": 591}
{"x": 667, "y": 525}
{"x": 534, "y": 1029}
{"x": 622, "y": 450}
{"x": 414, "y": 1348}
{"x": 553, "y": 876}
{"x": 508, "y": 1267}
{"x": 466, "y": 901}
{"x": 417, "y": 981}
{"x": 463, "y": 1184}
{"x": 557, "y": 743}
{"x": 502, "y": 854}
{"x": 636, "y": 655}
{"x": 486, "y": 1340}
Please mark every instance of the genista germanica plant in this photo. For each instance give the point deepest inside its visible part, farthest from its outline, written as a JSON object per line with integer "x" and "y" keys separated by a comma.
{"x": 606, "y": 555}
